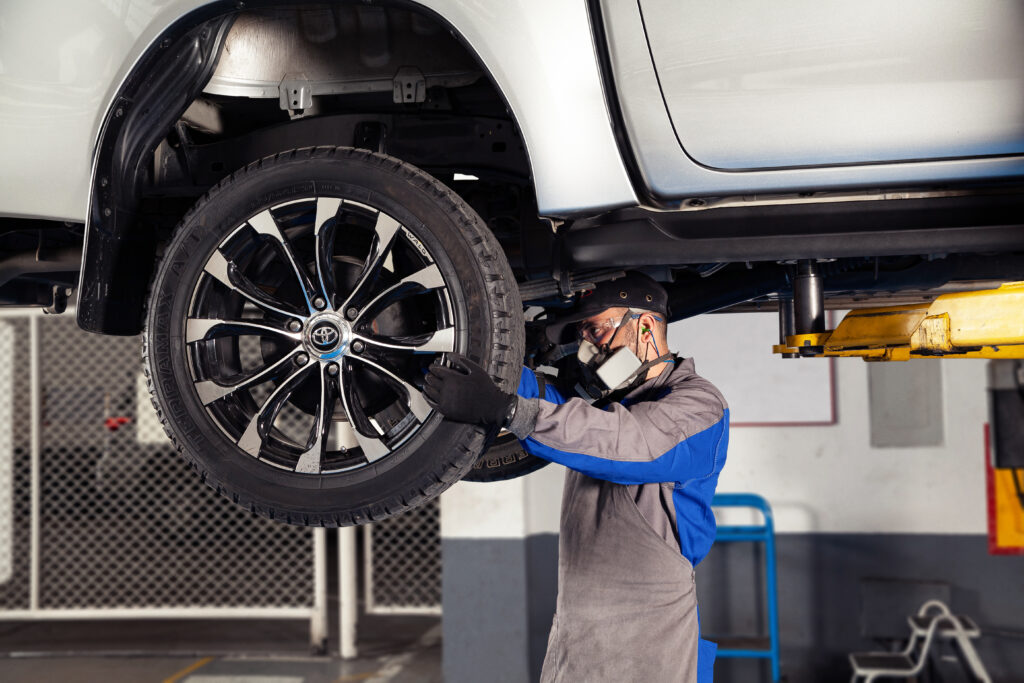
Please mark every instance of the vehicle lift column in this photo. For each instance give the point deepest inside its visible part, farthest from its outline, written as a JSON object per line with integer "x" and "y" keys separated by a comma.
{"x": 804, "y": 314}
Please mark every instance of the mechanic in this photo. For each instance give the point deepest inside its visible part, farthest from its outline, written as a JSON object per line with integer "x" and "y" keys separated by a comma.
{"x": 645, "y": 444}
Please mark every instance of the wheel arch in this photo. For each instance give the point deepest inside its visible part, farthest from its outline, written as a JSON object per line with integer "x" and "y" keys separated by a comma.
{"x": 117, "y": 257}
{"x": 582, "y": 173}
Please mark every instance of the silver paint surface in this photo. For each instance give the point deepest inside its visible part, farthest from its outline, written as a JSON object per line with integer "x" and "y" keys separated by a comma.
{"x": 811, "y": 82}
{"x": 672, "y": 174}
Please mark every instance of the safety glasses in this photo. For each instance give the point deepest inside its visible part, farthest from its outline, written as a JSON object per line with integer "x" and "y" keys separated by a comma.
{"x": 595, "y": 330}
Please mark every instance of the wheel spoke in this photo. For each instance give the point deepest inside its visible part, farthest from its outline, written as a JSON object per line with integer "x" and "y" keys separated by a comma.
{"x": 323, "y": 232}
{"x": 371, "y": 444}
{"x": 259, "y": 426}
{"x": 422, "y": 280}
{"x": 210, "y": 391}
{"x": 442, "y": 341}
{"x": 227, "y": 274}
{"x": 414, "y": 397}
{"x": 386, "y": 229}
{"x": 198, "y": 329}
{"x": 265, "y": 224}
{"x": 311, "y": 461}
{"x": 254, "y": 309}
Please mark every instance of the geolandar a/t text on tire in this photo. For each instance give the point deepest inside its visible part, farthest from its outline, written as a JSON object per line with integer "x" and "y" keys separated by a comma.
{"x": 292, "y": 319}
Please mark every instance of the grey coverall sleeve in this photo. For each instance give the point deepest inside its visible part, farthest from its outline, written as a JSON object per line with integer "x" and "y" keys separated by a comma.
{"x": 674, "y": 438}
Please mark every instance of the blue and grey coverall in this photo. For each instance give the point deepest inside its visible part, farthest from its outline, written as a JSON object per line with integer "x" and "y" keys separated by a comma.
{"x": 636, "y": 518}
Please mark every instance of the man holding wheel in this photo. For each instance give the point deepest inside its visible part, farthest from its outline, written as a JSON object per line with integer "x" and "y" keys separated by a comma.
{"x": 644, "y": 441}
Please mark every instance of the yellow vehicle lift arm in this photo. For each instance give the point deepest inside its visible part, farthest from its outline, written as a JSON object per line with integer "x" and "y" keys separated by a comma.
{"x": 983, "y": 324}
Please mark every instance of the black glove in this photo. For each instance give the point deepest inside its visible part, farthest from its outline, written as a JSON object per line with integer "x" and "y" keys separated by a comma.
{"x": 466, "y": 393}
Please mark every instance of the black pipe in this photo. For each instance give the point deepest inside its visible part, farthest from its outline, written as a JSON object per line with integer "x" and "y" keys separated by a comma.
{"x": 693, "y": 295}
{"x": 26, "y": 263}
{"x": 787, "y": 320}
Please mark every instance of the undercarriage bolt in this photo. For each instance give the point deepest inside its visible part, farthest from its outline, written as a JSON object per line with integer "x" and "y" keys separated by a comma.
{"x": 358, "y": 346}
{"x": 319, "y": 302}
{"x": 294, "y": 325}
{"x": 352, "y": 313}
{"x": 332, "y": 369}
{"x": 302, "y": 359}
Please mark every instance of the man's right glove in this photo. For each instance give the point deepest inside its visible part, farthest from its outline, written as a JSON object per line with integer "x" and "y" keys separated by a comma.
{"x": 466, "y": 393}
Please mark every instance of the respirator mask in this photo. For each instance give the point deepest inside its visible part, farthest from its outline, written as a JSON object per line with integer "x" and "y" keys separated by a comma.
{"x": 604, "y": 371}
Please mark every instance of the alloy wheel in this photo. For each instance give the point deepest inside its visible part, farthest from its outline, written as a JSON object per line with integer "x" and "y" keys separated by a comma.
{"x": 309, "y": 333}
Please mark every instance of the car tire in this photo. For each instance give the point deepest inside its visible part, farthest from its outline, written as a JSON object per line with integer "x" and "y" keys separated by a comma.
{"x": 314, "y": 288}
{"x": 505, "y": 459}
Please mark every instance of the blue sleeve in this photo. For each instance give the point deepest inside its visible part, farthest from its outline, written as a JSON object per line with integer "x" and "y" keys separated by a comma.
{"x": 693, "y": 457}
{"x": 529, "y": 388}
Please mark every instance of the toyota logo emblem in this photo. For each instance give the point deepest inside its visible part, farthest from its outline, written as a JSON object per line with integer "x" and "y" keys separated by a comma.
{"x": 325, "y": 336}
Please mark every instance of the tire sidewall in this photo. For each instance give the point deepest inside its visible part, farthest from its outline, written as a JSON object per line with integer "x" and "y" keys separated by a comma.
{"x": 505, "y": 459}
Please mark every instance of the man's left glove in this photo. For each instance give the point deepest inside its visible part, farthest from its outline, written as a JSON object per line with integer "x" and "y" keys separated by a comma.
{"x": 466, "y": 393}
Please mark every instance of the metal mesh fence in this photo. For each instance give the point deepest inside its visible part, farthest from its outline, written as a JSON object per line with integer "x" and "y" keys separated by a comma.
{"x": 123, "y": 521}
{"x": 403, "y": 562}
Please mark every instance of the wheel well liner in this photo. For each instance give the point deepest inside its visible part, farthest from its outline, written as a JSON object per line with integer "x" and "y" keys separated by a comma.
{"x": 118, "y": 258}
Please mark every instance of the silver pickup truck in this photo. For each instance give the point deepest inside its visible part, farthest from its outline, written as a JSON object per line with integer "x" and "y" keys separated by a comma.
{"x": 302, "y": 206}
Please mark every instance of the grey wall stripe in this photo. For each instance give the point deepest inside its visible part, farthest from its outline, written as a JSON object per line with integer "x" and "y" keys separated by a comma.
{"x": 485, "y": 605}
{"x": 541, "y": 565}
{"x": 820, "y": 597}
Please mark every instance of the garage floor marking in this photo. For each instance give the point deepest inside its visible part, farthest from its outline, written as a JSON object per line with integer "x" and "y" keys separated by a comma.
{"x": 189, "y": 669}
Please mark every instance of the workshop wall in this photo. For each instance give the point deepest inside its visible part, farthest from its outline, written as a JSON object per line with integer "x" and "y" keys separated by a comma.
{"x": 830, "y": 479}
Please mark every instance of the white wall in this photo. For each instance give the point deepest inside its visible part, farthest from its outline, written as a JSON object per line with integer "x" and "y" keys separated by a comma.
{"x": 506, "y": 509}
{"x": 484, "y": 510}
{"x": 544, "y": 499}
{"x": 829, "y": 479}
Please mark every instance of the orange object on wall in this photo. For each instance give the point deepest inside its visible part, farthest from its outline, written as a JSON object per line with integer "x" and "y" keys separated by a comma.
{"x": 1005, "y": 508}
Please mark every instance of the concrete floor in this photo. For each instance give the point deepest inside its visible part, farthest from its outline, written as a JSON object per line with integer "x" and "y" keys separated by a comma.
{"x": 420, "y": 666}
{"x": 391, "y": 650}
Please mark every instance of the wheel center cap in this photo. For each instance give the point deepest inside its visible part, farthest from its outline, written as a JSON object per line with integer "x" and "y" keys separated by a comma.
{"x": 328, "y": 336}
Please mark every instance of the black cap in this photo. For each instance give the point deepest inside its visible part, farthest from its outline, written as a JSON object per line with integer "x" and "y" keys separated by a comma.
{"x": 634, "y": 290}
